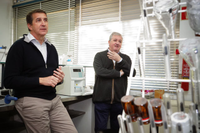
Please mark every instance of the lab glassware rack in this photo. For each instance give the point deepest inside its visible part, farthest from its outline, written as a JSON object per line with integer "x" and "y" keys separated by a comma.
{"x": 146, "y": 12}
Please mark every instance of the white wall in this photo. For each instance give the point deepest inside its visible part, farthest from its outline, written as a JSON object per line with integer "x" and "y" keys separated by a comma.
{"x": 6, "y": 23}
{"x": 5, "y": 28}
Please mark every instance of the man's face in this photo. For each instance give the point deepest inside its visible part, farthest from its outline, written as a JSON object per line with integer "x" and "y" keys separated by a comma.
{"x": 115, "y": 43}
{"x": 39, "y": 27}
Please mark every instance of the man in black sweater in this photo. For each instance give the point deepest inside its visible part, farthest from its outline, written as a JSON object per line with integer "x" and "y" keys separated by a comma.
{"x": 112, "y": 69}
{"x": 32, "y": 72}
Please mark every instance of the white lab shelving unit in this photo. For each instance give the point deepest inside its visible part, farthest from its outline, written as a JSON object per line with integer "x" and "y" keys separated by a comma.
{"x": 147, "y": 38}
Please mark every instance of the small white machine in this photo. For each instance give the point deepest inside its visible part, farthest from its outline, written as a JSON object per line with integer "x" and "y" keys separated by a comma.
{"x": 74, "y": 81}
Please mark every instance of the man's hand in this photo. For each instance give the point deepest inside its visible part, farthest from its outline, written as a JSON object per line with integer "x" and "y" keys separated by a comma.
{"x": 59, "y": 74}
{"x": 49, "y": 81}
{"x": 121, "y": 72}
{"x": 114, "y": 56}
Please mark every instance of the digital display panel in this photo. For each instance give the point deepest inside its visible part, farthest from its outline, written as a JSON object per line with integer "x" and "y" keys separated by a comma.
{"x": 76, "y": 70}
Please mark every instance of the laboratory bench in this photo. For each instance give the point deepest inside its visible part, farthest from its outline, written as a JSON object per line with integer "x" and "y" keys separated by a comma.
{"x": 11, "y": 121}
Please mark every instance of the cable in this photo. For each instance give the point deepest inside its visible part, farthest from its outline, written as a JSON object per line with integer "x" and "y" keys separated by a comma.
{"x": 4, "y": 53}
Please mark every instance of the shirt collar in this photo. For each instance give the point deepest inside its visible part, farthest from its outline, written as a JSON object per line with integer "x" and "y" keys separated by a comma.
{"x": 29, "y": 37}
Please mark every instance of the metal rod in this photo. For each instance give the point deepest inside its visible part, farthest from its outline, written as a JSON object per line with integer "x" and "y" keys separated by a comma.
{"x": 158, "y": 79}
{"x": 182, "y": 11}
{"x": 160, "y": 40}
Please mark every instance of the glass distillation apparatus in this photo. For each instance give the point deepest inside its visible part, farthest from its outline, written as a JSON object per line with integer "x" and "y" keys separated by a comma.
{"x": 190, "y": 51}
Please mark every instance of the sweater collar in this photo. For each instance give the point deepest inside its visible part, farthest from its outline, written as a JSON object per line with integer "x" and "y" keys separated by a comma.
{"x": 28, "y": 38}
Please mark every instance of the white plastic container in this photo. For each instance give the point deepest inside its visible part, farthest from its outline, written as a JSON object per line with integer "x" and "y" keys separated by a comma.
{"x": 183, "y": 119}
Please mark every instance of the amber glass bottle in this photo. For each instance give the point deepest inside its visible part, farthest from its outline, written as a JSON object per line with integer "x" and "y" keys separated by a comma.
{"x": 141, "y": 105}
{"x": 156, "y": 106}
{"x": 129, "y": 107}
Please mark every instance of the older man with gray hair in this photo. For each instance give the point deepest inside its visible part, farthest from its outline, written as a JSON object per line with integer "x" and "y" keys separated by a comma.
{"x": 111, "y": 71}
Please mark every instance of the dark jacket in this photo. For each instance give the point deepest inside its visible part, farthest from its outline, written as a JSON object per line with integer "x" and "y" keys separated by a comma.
{"x": 105, "y": 74}
{"x": 24, "y": 66}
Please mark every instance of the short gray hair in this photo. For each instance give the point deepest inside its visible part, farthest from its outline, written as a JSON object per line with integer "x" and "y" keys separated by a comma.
{"x": 113, "y": 34}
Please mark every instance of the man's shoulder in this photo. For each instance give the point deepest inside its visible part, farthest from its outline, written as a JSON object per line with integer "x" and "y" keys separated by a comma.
{"x": 19, "y": 42}
{"x": 125, "y": 55}
{"x": 102, "y": 52}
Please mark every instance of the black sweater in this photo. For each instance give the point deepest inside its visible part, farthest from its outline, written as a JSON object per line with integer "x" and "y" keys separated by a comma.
{"x": 104, "y": 73}
{"x": 24, "y": 66}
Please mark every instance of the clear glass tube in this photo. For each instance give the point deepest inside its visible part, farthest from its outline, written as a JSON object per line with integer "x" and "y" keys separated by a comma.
{"x": 167, "y": 104}
{"x": 121, "y": 123}
{"x": 153, "y": 126}
{"x": 129, "y": 124}
{"x": 140, "y": 124}
{"x": 164, "y": 118}
{"x": 197, "y": 117}
{"x": 180, "y": 100}
{"x": 166, "y": 49}
{"x": 166, "y": 12}
{"x": 192, "y": 115}
{"x": 166, "y": 99}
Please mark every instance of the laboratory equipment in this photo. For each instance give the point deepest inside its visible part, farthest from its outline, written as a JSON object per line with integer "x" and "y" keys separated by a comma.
{"x": 166, "y": 12}
{"x": 189, "y": 50}
{"x": 192, "y": 116}
{"x": 121, "y": 124}
{"x": 180, "y": 100}
{"x": 152, "y": 121}
{"x": 146, "y": 26}
{"x": 141, "y": 69}
{"x": 167, "y": 104}
{"x": 178, "y": 128}
{"x": 166, "y": 99}
{"x": 164, "y": 118}
{"x": 197, "y": 118}
{"x": 74, "y": 81}
{"x": 129, "y": 124}
{"x": 183, "y": 119}
{"x": 141, "y": 105}
{"x": 194, "y": 129}
{"x": 193, "y": 10}
{"x": 140, "y": 125}
{"x": 156, "y": 108}
{"x": 140, "y": 63}
{"x": 166, "y": 52}
{"x": 129, "y": 107}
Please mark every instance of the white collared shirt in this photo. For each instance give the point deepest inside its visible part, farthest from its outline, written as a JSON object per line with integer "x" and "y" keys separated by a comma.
{"x": 42, "y": 48}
